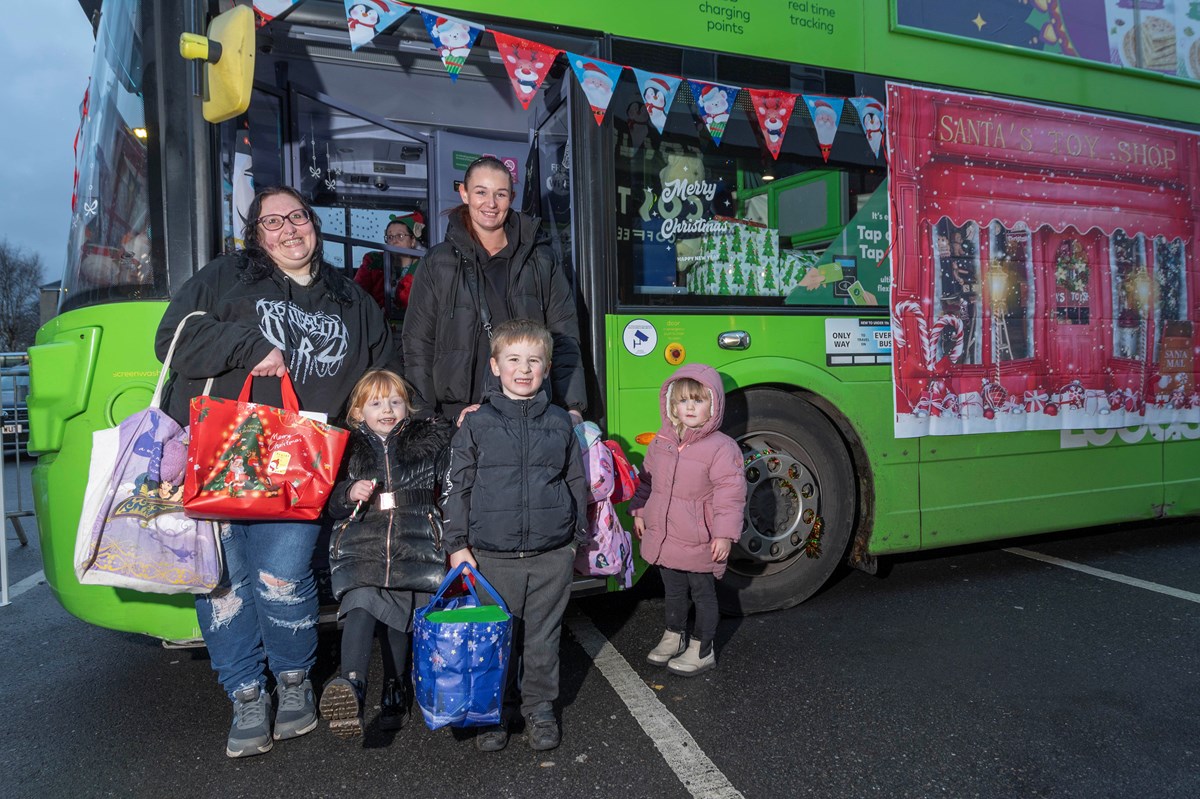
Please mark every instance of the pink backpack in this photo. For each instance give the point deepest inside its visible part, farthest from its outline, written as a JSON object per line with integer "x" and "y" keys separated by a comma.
{"x": 609, "y": 550}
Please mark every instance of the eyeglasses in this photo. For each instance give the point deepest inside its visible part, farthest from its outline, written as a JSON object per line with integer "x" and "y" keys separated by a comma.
{"x": 299, "y": 218}
{"x": 392, "y": 238}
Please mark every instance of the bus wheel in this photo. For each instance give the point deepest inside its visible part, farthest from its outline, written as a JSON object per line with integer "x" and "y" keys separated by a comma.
{"x": 800, "y": 506}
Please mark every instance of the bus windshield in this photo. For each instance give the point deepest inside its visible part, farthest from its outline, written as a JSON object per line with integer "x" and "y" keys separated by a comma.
{"x": 108, "y": 254}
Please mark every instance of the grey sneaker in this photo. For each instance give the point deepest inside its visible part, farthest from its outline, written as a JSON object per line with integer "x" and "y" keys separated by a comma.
{"x": 297, "y": 714}
{"x": 250, "y": 733}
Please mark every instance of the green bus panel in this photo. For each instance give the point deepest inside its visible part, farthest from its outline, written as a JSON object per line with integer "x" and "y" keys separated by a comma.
{"x": 1180, "y": 473}
{"x": 968, "y": 484}
{"x": 117, "y": 379}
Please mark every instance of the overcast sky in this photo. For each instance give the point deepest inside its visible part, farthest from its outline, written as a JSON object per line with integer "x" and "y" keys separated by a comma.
{"x": 45, "y": 58}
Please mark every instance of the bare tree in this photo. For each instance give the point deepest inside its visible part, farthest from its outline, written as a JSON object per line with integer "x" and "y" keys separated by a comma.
{"x": 20, "y": 279}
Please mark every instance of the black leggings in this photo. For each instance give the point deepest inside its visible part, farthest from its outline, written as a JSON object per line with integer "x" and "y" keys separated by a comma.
{"x": 702, "y": 586}
{"x": 358, "y": 633}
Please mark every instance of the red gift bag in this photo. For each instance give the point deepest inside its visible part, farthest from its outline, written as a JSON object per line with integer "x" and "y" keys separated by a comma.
{"x": 248, "y": 461}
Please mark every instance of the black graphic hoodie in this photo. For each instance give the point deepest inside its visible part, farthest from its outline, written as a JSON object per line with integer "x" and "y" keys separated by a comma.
{"x": 330, "y": 332}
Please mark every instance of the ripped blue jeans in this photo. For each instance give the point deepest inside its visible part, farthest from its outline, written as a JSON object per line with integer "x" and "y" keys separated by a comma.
{"x": 264, "y": 612}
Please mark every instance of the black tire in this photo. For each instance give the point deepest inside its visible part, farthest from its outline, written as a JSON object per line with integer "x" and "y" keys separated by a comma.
{"x": 800, "y": 472}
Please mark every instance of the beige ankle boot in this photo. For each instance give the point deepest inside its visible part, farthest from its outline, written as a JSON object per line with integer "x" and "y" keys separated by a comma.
{"x": 671, "y": 644}
{"x": 689, "y": 664}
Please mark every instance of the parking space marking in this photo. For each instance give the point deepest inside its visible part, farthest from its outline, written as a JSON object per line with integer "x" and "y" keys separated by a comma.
{"x": 699, "y": 775}
{"x": 37, "y": 578}
{"x": 1107, "y": 575}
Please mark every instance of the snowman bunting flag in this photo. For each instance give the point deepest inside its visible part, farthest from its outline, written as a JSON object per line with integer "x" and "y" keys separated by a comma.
{"x": 773, "y": 109}
{"x": 826, "y": 112}
{"x": 597, "y": 79}
{"x": 870, "y": 116}
{"x": 365, "y": 18}
{"x": 658, "y": 92}
{"x": 713, "y": 102}
{"x": 528, "y": 63}
{"x": 453, "y": 38}
{"x": 267, "y": 10}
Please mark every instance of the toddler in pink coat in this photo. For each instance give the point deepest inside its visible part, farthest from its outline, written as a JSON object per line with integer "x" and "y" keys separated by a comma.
{"x": 688, "y": 511}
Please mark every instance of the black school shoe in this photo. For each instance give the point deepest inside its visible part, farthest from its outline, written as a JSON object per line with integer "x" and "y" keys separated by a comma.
{"x": 393, "y": 705}
{"x": 341, "y": 706}
{"x": 492, "y": 739}
{"x": 542, "y": 732}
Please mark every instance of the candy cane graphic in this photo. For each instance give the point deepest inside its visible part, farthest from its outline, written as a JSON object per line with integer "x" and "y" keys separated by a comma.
{"x": 903, "y": 307}
{"x": 935, "y": 337}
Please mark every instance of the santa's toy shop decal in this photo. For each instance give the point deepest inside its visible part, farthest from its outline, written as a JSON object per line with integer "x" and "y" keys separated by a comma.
{"x": 1044, "y": 267}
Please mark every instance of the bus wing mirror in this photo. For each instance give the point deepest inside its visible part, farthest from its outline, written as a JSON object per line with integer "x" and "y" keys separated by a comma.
{"x": 229, "y": 55}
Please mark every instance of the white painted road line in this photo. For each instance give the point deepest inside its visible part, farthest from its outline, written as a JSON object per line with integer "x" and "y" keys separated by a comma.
{"x": 37, "y": 578}
{"x": 1120, "y": 578}
{"x": 698, "y": 774}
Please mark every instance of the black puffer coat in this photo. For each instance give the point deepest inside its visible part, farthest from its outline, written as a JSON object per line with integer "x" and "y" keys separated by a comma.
{"x": 402, "y": 547}
{"x": 515, "y": 485}
{"x": 442, "y": 324}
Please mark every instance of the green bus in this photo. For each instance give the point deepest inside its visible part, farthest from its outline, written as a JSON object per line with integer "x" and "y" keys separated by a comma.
{"x": 750, "y": 233}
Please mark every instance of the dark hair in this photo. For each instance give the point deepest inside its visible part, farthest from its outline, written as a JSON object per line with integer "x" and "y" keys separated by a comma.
{"x": 462, "y": 211}
{"x": 261, "y": 264}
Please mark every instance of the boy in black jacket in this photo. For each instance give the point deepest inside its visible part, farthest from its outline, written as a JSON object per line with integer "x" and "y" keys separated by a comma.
{"x": 514, "y": 507}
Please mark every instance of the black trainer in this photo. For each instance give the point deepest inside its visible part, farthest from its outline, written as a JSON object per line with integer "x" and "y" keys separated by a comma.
{"x": 541, "y": 730}
{"x": 491, "y": 739}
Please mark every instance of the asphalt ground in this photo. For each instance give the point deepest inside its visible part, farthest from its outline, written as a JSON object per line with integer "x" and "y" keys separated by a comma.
{"x": 963, "y": 673}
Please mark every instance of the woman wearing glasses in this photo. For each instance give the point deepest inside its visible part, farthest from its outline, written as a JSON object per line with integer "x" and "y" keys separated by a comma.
{"x": 274, "y": 307}
{"x": 400, "y": 232}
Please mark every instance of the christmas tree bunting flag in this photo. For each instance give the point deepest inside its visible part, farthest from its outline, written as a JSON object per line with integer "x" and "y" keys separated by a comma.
{"x": 365, "y": 18}
{"x": 773, "y": 109}
{"x": 826, "y": 112}
{"x": 597, "y": 78}
{"x": 528, "y": 63}
{"x": 713, "y": 102}
{"x": 267, "y": 10}
{"x": 658, "y": 92}
{"x": 453, "y": 37}
{"x": 870, "y": 116}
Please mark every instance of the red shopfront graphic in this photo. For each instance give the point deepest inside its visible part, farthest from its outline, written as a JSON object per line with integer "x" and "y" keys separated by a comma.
{"x": 1044, "y": 267}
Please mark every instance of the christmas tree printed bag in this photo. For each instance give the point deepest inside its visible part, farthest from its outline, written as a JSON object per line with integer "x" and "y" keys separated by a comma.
{"x": 250, "y": 461}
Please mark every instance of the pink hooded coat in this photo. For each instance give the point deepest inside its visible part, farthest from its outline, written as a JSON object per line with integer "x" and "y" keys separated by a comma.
{"x": 693, "y": 490}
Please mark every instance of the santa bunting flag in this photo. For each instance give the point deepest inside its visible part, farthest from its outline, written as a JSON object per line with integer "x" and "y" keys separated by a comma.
{"x": 267, "y": 10}
{"x": 826, "y": 113}
{"x": 453, "y": 38}
{"x": 713, "y": 103}
{"x": 870, "y": 116}
{"x": 598, "y": 79}
{"x": 658, "y": 92}
{"x": 528, "y": 63}
{"x": 773, "y": 109}
{"x": 365, "y": 18}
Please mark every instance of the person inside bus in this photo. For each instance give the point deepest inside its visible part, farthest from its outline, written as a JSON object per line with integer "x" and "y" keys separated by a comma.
{"x": 276, "y": 307}
{"x": 404, "y": 232}
{"x": 494, "y": 265}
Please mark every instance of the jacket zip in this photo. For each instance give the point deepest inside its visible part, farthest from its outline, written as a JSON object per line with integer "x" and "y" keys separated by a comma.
{"x": 387, "y": 468}
{"x": 525, "y": 482}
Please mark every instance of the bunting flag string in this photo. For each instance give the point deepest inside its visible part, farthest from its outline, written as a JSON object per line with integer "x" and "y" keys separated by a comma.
{"x": 453, "y": 38}
{"x": 826, "y": 113}
{"x": 365, "y": 18}
{"x": 870, "y": 117}
{"x": 774, "y": 110}
{"x": 528, "y": 63}
{"x": 713, "y": 103}
{"x": 658, "y": 92}
{"x": 598, "y": 79}
{"x": 267, "y": 10}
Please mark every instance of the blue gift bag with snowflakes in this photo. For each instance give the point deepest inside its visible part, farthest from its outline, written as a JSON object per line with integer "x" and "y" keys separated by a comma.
{"x": 461, "y": 651}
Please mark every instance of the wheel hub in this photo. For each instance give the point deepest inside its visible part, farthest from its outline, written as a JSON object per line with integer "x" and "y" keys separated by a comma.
{"x": 781, "y": 506}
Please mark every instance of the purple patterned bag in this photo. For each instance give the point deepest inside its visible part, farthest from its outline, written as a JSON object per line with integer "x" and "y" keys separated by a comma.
{"x": 133, "y": 532}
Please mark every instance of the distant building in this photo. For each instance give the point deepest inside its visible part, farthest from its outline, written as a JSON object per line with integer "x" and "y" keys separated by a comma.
{"x": 48, "y": 301}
